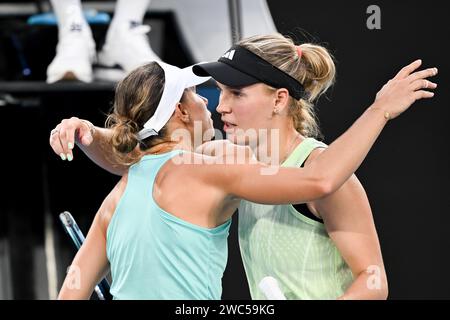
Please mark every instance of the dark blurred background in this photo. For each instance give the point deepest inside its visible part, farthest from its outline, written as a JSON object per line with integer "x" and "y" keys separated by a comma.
{"x": 406, "y": 174}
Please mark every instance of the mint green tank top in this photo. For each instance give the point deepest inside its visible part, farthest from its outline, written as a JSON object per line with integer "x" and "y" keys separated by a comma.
{"x": 278, "y": 241}
{"x": 155, "y": 255}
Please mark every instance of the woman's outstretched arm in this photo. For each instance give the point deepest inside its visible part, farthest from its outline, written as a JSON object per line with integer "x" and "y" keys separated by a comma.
{"x": 346, "y": 154}
{"x": 340, "y": 160}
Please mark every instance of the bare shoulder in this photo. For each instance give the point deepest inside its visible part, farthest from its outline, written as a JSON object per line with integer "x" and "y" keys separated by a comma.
{"x": 349, "y": 189}
{"x": 316, "y": 152}
{"x": 109, "y": 205}
{"x": 313, "y": 155}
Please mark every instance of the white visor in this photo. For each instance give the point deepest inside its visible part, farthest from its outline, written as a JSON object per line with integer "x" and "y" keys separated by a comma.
{"x": 176, "y": 80}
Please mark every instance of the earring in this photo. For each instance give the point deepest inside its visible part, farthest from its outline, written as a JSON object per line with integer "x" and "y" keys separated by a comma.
{"x": 275, "y": 110}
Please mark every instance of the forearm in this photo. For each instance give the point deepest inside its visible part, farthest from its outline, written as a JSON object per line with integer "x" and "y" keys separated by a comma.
{"x": 74, "y": 287}
{"x": 99, "y": 151}
{"x": 342, "y": 158}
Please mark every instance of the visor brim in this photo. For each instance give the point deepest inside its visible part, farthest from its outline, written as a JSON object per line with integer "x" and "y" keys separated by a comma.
{"x": 191, "y": 79}
{"x": 224, "y": 74}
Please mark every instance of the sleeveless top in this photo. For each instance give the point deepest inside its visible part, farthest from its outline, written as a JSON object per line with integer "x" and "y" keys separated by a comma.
{"x": 155, "y": 255}
{"x": 279, "y": 241}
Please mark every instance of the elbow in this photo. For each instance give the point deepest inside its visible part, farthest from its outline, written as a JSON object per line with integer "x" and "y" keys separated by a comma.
{"x": 325, "y": 187}
{"x": 384, "y": 291}
{"x": 324, "y": 183}
{"x": 381, "y": 291}
{"x": 383, "y": 288}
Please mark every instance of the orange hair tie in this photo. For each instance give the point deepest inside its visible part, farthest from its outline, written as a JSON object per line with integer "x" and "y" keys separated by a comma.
{"x": 299, "y": 52}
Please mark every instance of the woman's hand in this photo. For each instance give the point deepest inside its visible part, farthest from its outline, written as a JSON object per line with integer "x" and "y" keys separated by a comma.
{"x": 69, "y": 131}
{"x": 404, "y": 89}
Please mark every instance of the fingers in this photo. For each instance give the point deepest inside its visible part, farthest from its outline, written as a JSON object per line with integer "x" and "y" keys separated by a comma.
{"x": 66, "y": 137}
{"x": 62, "y": 138}
{"x": 431, "y": 72}
{"x": 406, "y": 71}
{"x": 423, "y": 84}
{"x": 85, "y": 134}
{"x": 55, "y": 143}
{"x": 422, "y": 94}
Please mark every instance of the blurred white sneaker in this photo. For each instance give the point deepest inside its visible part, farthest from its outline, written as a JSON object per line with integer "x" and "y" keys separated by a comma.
{"x": 126, "y": 47}
{"x": 75, "y": 54}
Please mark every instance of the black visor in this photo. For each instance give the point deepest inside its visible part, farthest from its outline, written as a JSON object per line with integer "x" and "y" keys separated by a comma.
{"x": 239, "y": 67}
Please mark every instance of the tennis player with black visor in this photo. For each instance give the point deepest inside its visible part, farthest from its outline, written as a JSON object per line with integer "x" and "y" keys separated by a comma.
{"x": 322, "y": 260}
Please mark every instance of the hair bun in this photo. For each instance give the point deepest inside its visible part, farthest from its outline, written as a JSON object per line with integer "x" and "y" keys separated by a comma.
{"x": 124, "y": 138}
